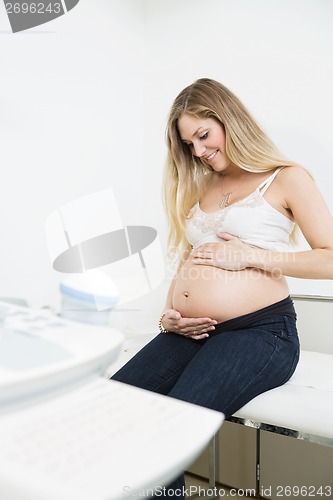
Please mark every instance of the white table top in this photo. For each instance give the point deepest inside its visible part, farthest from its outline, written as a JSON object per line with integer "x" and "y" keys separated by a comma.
{"x": 305, "y": 403}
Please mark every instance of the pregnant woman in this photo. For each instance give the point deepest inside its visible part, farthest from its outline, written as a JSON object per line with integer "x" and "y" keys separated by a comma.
{"x": 228, "y": 329}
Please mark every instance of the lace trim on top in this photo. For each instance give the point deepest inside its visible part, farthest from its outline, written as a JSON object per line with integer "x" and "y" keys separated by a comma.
{"x": 212, "y": 221}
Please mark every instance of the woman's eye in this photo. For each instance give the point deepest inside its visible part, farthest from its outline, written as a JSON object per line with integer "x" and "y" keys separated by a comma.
{"x": 203, "y": 137}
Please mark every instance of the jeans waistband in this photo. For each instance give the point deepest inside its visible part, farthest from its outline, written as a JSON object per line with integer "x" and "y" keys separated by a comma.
{"x": 284, "y": 307}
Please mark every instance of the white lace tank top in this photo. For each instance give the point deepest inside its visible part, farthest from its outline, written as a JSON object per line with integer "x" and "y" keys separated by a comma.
{"x": 251, "y": 219}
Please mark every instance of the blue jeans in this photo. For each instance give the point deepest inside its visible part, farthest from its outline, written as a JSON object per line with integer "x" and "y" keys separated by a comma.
{"x": 222, "y": 372}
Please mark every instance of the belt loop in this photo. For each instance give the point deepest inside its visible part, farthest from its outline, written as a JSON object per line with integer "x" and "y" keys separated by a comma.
{"x": 287, "y": 325}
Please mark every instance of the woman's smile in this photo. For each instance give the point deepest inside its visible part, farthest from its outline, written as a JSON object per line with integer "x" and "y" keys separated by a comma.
{"x": 211, "y": 156}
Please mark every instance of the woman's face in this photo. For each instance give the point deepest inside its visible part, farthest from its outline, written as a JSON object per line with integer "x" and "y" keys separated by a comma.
{"x": 206, "y": 140}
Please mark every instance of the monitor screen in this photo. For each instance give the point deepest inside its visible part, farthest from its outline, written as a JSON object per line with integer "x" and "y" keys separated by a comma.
{"x": 20, "y": 350}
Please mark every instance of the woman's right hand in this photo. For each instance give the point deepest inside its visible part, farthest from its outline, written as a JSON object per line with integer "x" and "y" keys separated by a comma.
{"x": 195, "y": 328}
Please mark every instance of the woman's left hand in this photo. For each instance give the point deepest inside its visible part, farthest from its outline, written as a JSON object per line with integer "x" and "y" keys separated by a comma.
{"x": 230, "y": 253}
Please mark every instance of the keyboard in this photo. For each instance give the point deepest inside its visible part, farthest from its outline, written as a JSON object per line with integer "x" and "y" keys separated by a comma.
{"x": 99, "y": 441}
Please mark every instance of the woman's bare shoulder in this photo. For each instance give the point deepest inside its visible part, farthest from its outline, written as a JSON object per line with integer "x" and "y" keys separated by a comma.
{"x": 295, "y": 174}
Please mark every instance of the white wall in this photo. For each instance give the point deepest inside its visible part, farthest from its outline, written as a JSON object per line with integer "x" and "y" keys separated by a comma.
{"x": 275, "y": 55}
{"x": 70, "y": 124}
{"x": 84, "y": 101}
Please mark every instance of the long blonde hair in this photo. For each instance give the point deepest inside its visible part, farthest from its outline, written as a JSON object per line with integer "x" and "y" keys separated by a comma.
{"x": 247, "y": 146}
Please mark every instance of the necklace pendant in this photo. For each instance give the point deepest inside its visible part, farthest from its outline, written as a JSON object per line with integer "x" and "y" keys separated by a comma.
{"x": 225, "y": 200}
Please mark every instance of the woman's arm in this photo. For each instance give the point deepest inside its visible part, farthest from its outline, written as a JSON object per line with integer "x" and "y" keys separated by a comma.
{"x": 311, "y": 264}
{"x": 305, "y": 202}
{"x": 168, "y": 303}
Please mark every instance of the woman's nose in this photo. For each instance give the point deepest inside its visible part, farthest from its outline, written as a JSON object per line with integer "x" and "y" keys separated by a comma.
{"x": 198, "y": 149}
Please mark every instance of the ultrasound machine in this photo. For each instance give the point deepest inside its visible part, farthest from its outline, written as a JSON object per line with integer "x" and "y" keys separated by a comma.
{"x": 69, "y": 433}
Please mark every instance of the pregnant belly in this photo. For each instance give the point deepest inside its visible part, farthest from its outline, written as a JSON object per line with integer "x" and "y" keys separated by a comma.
{"x": 206, "y": 291}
